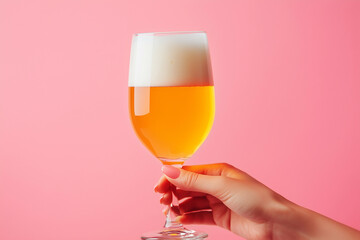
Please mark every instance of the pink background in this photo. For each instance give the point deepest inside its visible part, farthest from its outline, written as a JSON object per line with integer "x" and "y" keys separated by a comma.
{"x": 287, "y": 79}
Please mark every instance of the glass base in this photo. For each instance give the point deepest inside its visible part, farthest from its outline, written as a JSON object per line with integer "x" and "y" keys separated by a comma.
{"x": 175, "y": 234}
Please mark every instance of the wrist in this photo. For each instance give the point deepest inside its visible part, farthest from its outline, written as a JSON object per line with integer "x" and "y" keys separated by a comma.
{"x": 289, "y": 221}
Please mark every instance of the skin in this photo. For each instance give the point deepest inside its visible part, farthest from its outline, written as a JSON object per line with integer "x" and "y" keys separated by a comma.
{"x": 222, "y": 195}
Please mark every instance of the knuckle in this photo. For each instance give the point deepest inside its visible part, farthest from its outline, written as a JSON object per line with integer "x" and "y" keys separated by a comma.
{"x": 191, "y": 179}
{"x": 226, "y": 169}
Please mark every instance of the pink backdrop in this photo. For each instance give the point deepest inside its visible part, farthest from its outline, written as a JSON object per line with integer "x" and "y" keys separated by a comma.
{"x": 287, "y": 79}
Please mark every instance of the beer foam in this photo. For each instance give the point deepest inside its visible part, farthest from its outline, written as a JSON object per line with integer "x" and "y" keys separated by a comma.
{"x": 170, "y": 59}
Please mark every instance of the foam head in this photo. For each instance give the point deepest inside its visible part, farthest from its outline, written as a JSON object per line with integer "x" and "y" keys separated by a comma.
{"x": 170, "y": 59}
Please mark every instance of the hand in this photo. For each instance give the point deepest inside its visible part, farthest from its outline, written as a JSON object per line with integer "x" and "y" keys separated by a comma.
{"x": 225, "y": 196}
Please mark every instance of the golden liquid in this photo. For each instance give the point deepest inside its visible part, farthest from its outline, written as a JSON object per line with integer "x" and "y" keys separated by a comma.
{"x": 172, "y": 122}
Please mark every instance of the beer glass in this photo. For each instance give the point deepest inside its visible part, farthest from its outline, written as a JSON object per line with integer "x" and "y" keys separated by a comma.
{"x": 171, "y": 101}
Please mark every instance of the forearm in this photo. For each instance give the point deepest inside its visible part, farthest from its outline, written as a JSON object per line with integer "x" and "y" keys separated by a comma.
{"x": 291, "y": 221}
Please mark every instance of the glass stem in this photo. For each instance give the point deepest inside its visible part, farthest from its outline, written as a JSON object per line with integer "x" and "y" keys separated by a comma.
{"x": 170, "y": 222}
{"x": 170, "y": 216}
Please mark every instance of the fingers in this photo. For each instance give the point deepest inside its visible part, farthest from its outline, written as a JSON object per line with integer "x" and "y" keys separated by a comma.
{"x": 181, "y": 194}
{"x": 194, "y": 204}
{"x": 194, "y": 184}
{"x": 205, "y": 217}
{"x": 165, "y": 187}
{"x": 191, "y": 181}
{"x": 162, "y": 186}
{"x": 166, "y": 199}
{"x": 217, "y": 169}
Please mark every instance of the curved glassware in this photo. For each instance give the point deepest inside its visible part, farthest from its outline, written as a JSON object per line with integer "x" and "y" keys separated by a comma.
{"x": 171, "y": 100}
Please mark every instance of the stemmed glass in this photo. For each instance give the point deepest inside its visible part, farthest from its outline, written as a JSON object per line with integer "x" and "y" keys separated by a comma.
{"x": 172, "y": 105}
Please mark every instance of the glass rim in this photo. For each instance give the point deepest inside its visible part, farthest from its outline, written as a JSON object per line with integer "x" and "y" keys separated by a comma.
{"x": 167, "y": 33}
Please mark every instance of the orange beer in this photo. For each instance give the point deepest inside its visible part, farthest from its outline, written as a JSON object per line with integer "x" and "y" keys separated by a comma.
{"x": 172, "y": 122}
{"x": 171, "y": 93}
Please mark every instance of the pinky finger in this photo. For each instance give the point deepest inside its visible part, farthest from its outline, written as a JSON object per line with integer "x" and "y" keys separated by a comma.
{"x": 204, "y": 217}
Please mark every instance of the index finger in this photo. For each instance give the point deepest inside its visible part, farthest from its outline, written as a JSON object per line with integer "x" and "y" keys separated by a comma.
{"x": 217, "y": 169}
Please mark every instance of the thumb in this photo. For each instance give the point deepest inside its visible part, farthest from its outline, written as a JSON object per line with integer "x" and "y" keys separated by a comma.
{"x": 192, "y": 181}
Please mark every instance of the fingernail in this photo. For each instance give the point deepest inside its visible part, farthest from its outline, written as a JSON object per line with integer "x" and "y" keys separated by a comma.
{"x": 170, "y": 171}
{"x": 156, "y": 188}
{"x": 161, "y": 199}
